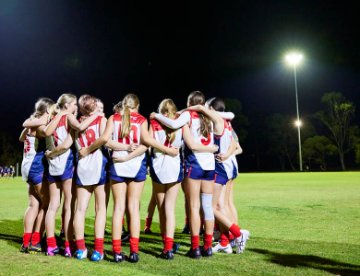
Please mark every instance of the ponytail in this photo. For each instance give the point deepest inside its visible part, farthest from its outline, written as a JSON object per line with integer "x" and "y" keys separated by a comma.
{"x": 125, "y": 122}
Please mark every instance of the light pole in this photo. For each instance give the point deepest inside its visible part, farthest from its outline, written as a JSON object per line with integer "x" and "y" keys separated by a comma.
{"x": 294, "y": 59}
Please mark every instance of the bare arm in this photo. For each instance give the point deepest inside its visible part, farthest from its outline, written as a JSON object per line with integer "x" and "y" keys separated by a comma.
{"x": 231, "y": 150}
{"x": 212, "y": 115}
{"x": 35, "y": 122}
{"x": 50, "y": 128}
{"x": 179, "y": 122}
{"x": 190, "y": 143}
{"x": 238, "y": 150}
{"x": 74, "y": 124}
{"x": 226, "y": 115}
{"x": 149, "y": 141}
{"x": 23, "y": 135}
{"x": 138, "y": 151}
{"x": 60, "y": 149}
{"x": 102, "y": 140}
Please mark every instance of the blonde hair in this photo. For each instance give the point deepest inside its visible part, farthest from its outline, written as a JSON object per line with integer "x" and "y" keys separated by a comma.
{"x": 169, "y": 107}
{"x": 41, "y": 106}
{"x": 87, "y": 104}
{"x": 130, "y": 101}
{"x": 60, "y": 104}
{"x": 195, "y": 98}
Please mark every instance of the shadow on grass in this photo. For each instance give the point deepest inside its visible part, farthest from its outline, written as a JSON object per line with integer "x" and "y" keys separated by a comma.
{"x": 310, "y": 261}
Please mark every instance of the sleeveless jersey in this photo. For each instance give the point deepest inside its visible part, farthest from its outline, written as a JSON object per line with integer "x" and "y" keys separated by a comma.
{"x": 58, "y": 164}
{"x": 130, "y": 168}
{"x": 90, "y": 169}
{"x": 224, "y": 141}
{"x": 206, "y": 160}
{"x": 167, "y": 169}
{"x": 32, "y": 165}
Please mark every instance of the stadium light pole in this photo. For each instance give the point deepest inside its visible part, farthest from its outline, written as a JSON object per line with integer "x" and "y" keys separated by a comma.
{"x": 294, "y": 59}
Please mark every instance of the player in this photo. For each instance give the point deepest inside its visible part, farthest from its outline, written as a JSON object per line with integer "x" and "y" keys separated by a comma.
{"x": 127, "y": 175}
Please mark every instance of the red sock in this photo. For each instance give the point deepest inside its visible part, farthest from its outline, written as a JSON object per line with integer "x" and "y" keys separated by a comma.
{"x": 99, "y": 245}
{"x": 235, "y": 230}
{"x": 134, "y": 245}
{"x": 35, "y": 238}
{"x": 163, "y": 237}
{"x": 168, "y": 245}
{"x": 148, "y": 222}
{"x": 116, "y": 246}
{"x": 195, "y": 240}
{"x": 67, "y": 244}
{"x": 207, "y": 241}
{"x": 26, "y": 239}
{"x": 51, "y": 242}
{"x": 80, "y": 244}
{"x": 224, "y": 241}
{"x": 230, "y": 236}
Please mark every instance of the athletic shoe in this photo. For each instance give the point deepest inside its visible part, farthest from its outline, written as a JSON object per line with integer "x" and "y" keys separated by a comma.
{"x": 80, "y": 254}
{"x": 194, "y": 253}
{"x": 167, "y": 255}
{"x": 24, "y": 249}
{"x": 216, "y": 235}
{"x": 233, "y": 243}
{"x": 125, "y": 236}
{"x": 175, "y": 247}
{"x": 33, "y": 249}
{"x": 186, "y": 229}
{"x": 219, "y": 248}
{"x": 241, "y": 241}
{"x": 67, "y": 252}
{"x": 206, "y": 253}
{"x": 119, "y": 257}
{"x": 134, "y": 257}
{"x": 147, "y": 230}
{"x": 96, "y": 256}
{"x": 52, "y": 251}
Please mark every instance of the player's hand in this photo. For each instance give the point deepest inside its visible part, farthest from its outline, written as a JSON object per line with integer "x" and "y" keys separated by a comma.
{"x": 197, "y": 107}
{"x": 152, "y": 115}
{"x": 172, "y": 151}
{"x": 221, "y": 157}
{"x": 120, "y": 159}
{"x": 83, "y": 152}
{"x": 132, "y": 147}
{"x": 214, "y": 148}
{"x": 48, "y": 154}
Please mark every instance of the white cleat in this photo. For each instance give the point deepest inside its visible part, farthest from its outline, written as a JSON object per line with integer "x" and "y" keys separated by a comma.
{"x": 219, "y": 248}
{"x": 241, "y": 241}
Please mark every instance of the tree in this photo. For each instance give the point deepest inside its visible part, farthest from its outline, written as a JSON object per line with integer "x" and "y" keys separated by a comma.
{"x": 337, "y": 117}
{"x": 316, "y": 148}
{"x": 240, "y": 121}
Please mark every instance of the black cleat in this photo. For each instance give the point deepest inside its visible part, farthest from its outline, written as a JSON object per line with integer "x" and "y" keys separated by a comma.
{"x": 167, "y": 255}
{"x": 206, "y": 253}
{"x": 24, "y": 249}
{"x": 134, "y": 257}
{"x": 33, "y": 249}
{"x": 176, "y": 247}
{"x": 194, "y": 253}
{"x": 119, "y": 257}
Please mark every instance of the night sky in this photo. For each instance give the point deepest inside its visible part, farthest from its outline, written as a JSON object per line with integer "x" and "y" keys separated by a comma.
{"x": 162, "y": 50}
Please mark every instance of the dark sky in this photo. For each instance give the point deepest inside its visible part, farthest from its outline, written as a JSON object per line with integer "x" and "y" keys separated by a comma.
{"x": 168, "y": 50}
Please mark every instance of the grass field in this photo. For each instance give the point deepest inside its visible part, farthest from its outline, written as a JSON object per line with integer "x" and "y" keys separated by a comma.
{"x": 300, "y": 223}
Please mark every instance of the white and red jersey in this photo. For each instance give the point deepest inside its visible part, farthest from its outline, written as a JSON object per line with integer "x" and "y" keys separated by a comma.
{"x": 130, "y": 168}
{"x": 224, "y": 141}
{"x": 32, "y": 166}
{"x": 90, "y": 168}
{"x": 57, "y": 164}
{"x": 166, "y": 168}
{"x": 206, "y": 160}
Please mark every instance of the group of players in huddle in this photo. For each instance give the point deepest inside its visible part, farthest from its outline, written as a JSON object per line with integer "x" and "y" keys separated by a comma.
{"x": 70, "y": 157}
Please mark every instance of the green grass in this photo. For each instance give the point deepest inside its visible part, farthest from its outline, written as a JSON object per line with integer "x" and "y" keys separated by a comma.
{"x": 301, "y": 223}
